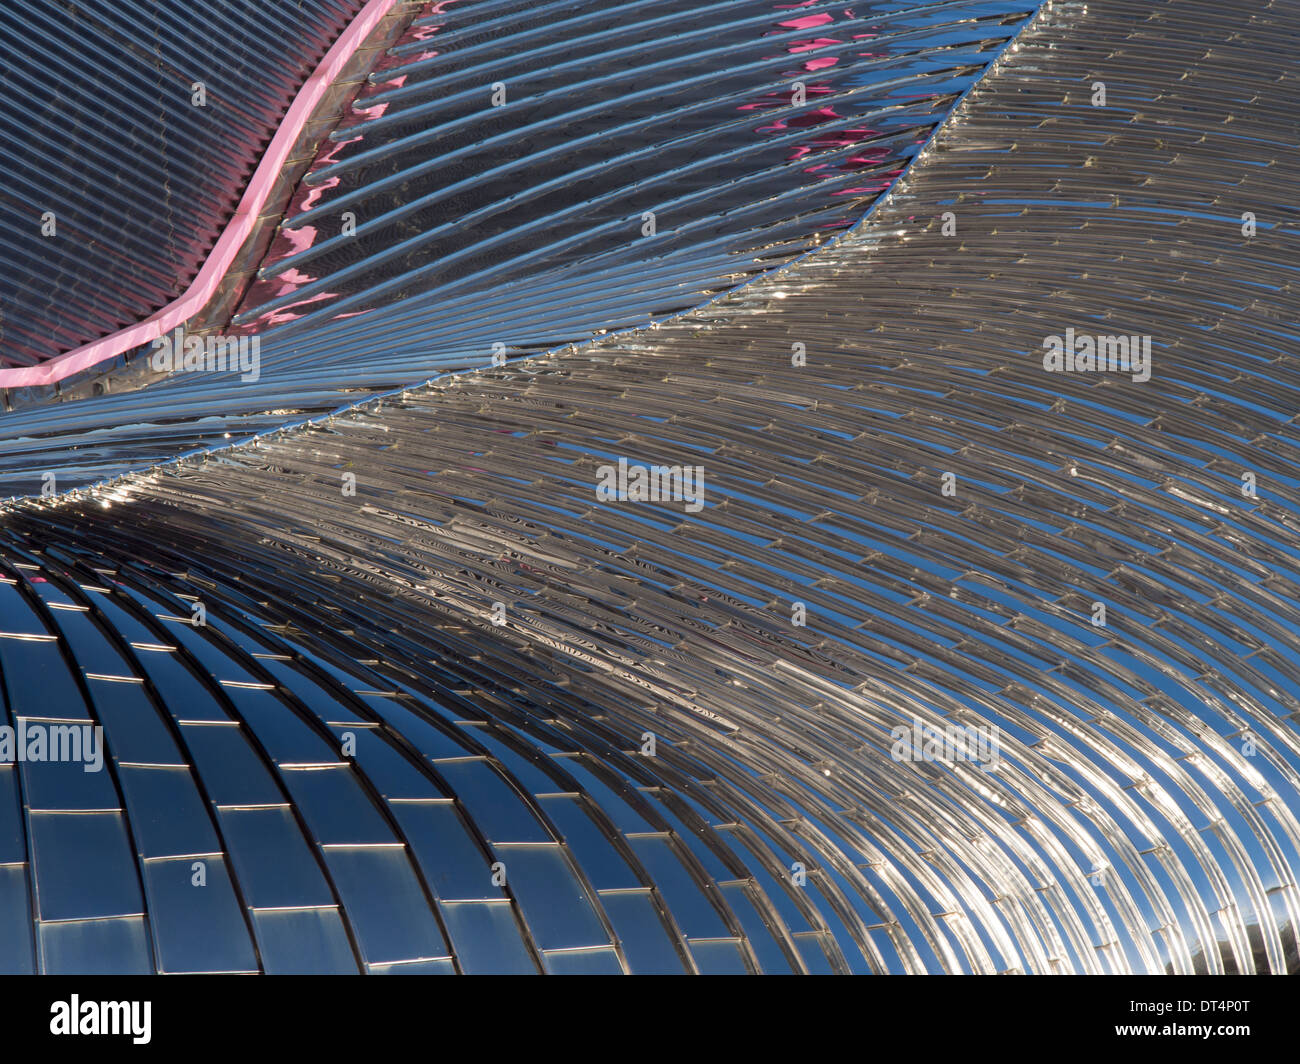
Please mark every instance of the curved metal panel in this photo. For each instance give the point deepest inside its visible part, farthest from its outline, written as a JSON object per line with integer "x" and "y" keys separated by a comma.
{"x": 441, "y": 657}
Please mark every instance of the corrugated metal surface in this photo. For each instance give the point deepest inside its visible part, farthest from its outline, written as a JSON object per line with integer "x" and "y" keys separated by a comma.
{"x": 508, "y": 145}
{"x": 1145, "y": 814}
{"x": 100, "y": 129}
{"x": 752, "y": 131}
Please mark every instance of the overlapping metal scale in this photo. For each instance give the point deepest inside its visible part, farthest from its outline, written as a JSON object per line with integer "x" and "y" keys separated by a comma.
{"x": 116, "y": 175}
{"x": 436, "y": 229}
{"x": 437, "y": 577}
{"x": 477, "y": 823}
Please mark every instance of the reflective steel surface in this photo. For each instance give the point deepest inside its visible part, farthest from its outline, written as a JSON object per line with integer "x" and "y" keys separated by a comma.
{"x": 643, "y": 158}
{"x": 418, "y": 696}
{"x": 129, "y": 132}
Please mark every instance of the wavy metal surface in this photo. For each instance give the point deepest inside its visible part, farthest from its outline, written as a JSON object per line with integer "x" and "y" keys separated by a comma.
{"x": 101, "y": 130}
{"x": 522, "y": 225}
{"x": 1129, "y": 827}
{"x": 750, "y": 130}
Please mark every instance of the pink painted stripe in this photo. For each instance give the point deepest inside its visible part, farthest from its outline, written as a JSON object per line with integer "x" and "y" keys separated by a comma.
{"x": 237, "y": 229}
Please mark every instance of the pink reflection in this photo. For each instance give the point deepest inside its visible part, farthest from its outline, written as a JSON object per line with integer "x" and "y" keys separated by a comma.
{"x": 287, "y": 313}
{"x": 809, "y": 58}
{"x": 368, "y": 113}
{"x": 291, "y": 241}
{"x": 867, "y": 157}
{"x": 423, "y": 34}
{"x": 807, "y": 22}
{"x": 413, "y": 35}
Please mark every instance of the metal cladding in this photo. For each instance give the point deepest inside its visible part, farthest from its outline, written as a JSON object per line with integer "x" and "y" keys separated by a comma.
{"x": 596, "y": 731}
{"x": 643, "y": 158}
{"x": 634, "y": 160}
{"x": 129, "y": 131}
